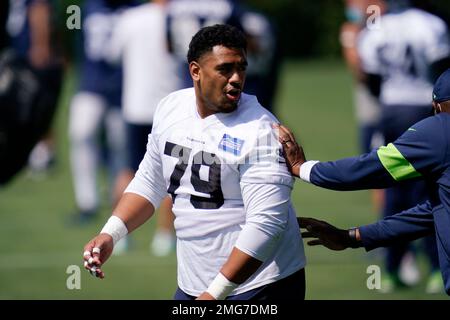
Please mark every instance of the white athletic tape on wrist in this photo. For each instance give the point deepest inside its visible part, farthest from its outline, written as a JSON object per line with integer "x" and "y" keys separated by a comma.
{"x": 96, "y": 250}
{"x": 221, "y": 287}
{"x": 116, "y": 228}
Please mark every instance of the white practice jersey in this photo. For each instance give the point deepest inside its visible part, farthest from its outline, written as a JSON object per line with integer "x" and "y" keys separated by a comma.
{"x": 401, "y": 49}
{"x": 230, "y": 187}
{"x": 150, "y": 72}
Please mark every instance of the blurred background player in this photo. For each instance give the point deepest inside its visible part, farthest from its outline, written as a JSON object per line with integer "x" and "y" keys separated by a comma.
{"x": 367, "y": 108}
{"x": 139, "y": 42}
{"x": 32, "y": 37}
{"x": 264, "y": 54}
{"x": 4, "y": 8}
{"x": 96, "y": 107}
{"x": 184, "y": 19}
{"x": 401, "y": 58}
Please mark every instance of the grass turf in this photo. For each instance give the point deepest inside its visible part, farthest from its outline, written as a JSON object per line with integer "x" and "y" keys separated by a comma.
{"x": 36, "y": 245}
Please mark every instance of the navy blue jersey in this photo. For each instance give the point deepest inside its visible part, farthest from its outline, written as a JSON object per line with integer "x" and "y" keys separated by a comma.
{"x": 186, "y": 17}
{"x": 263, "y": 55}
{"x": 18, "y": 26}
{"x": 423, "y": 151}
{"x": 98, "y": 75}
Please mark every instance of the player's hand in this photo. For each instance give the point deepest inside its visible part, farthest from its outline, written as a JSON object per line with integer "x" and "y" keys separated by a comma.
{"x": 96, "y": 252}
{"x": 293, "y": 152}
{"x": 324, "y": 234}
{"x": 205, "y": 296}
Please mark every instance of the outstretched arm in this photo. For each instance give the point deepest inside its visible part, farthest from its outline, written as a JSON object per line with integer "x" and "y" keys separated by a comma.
{"x": 266, "y": 186}
{"x": 418, "y": 152}
{"x": 137, "y": 205}
{"x": 408, "y": 225}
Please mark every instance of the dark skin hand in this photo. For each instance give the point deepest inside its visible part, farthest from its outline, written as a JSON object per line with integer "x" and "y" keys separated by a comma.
{"x": 325, "y": 234}
{"x": 293, "y": 152}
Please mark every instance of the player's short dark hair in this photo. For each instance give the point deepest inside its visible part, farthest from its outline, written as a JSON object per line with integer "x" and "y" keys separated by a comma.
{"x": 217, "y": 35}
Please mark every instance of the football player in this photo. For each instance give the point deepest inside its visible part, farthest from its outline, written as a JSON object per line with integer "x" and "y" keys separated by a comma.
{"x": 212, "y": 149}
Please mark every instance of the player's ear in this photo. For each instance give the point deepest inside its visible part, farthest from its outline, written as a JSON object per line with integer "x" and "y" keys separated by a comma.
{"x": 194, "y": 69}
{"x": 436, "y": 107}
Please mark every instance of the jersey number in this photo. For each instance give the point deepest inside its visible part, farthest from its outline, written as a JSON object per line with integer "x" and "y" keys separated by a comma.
{"x": 211, "y": 187}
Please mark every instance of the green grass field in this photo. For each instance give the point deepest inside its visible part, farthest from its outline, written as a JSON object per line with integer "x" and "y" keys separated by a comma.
{"x": 36, "y": 246}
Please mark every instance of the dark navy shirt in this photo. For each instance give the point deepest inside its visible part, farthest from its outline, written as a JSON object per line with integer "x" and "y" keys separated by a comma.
{"x": 98, "y": 75}
{"x": 18, "y": 26}
{"x": 186, "y": 17}
{"x": 422, "y": 152}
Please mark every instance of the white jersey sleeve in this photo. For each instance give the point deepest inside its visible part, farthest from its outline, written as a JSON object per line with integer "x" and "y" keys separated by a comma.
{"x": 437, "y": 45}
{"x": 266, "y": 186}
{"x": 264, "y": 163}
{"x": 267, "y": 207}
{"x": 117, "y": 41}
{"x": 149, "y": 181}
{"x": 367, "y": 44}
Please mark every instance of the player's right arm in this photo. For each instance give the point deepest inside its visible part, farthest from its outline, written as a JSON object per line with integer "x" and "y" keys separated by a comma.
{"x": 144, "y": 193}
{"x": 131, "y": 212}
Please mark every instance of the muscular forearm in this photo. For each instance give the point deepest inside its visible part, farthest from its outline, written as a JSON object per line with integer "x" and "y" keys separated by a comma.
{"x": 240, "y": 266}
{"x": 133, "y": 210}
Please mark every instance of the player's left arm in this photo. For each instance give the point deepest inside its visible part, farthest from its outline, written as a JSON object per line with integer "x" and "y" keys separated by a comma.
{"x": 267, "y": 207}
{"x": 266, "y": 187}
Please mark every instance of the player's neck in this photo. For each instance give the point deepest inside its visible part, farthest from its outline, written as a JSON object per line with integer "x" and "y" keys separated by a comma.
{"x": 202, "y": 110}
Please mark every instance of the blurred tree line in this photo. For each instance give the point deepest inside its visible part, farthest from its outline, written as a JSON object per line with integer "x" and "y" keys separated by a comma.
{"x": 306, "y": 28}
{"x": 311, "y": 28}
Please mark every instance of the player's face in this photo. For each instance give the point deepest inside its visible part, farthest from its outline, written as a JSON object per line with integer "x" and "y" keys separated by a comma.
{"x": 219, "y": 77}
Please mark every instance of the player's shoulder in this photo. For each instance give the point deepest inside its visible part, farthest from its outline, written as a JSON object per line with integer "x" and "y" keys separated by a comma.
{"x": 252, "y": 112}
{"x": 252, "y": 121}
{"x": 368, "y": 39}
{"x": 422, "y": 18}
{"x": 430, "y": 129}
{"x": 174, "y": 107}
{"x": 435, "y": 121}
{"x": 443, "y": 119}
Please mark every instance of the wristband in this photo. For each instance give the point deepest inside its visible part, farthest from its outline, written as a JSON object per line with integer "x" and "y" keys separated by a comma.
{"x": 354, "y": 242}
{"x": 221, "y": 287}
{"x": 116, "y": 228}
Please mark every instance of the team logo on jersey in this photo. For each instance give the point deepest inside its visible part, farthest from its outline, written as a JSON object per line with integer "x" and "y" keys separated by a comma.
{"x": 230, "y": 144}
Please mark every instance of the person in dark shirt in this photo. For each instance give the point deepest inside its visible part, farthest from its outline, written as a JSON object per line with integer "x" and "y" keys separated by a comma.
{"x": 422, "y": 152}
